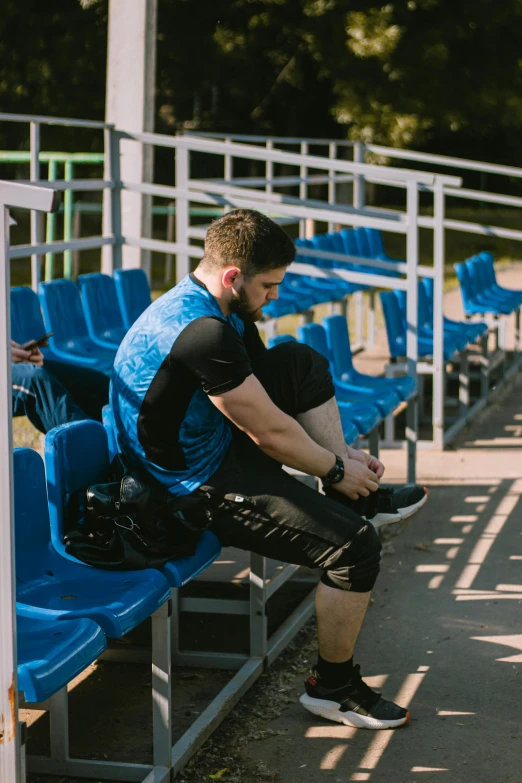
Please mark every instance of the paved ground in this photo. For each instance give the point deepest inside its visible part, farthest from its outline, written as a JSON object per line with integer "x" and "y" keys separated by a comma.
{"x": 443, "y": 636}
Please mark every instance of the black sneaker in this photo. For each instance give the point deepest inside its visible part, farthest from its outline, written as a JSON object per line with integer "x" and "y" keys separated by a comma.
{"x": 393, "y": 504}
{"x": 386, "y": 505}
{"x": 355, "y": 704}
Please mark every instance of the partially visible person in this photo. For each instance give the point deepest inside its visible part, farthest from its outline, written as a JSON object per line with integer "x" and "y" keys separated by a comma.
{"x": 55, "y": 393}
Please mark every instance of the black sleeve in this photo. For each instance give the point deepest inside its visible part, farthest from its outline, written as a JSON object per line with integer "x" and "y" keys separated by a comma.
{"x": 214, "y": 352}
{"x": 254, "y": 345}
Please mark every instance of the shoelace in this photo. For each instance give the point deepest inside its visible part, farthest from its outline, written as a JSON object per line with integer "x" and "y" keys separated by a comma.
{"x": 365, "y": 694}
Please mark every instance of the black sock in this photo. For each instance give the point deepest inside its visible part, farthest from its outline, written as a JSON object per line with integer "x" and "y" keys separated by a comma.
{"x": 334, "y": 675}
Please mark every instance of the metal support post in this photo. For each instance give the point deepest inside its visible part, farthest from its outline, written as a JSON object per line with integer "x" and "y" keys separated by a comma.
{"x": 484, "y": 365}
{"x": 332, "y": 154}
{"x": 269, "y": 169}
{"x": 174, "y": 623}
{"x": 258, "y": 606}
{"x": 36, "y": 226}
{"x": 182, "y": 213}
{"x": 439, "y": 366}
{"x": 303, "y": 189}
{"x": 370, "y": 339}
{"x": 412, "y": 246}
{"x": 162, "y": 686}
{"x": 58, "y": 706}
{"x": 111, "y": 220}
{"x": 358, "y": 299}
{"x": 373, "y": 442}
{"x": 50, "y": 232}
{"x": 9, "y": 768}
{"x": 358, "y": 180}
{"x": 170, "y": 238}
{"x": 68, "y": 221}
{"x": 464, "y": 384}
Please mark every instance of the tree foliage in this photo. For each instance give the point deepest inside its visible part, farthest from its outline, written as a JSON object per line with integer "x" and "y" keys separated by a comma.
{"x": 435, "y": 74}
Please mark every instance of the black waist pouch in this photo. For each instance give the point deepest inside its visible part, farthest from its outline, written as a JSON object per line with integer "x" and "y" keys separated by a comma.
{"x": 131, "y": 524}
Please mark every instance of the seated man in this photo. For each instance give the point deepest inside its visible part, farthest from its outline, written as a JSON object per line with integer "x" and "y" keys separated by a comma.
{"x": 199, "y": 401}
{"x": 56, "y": 393}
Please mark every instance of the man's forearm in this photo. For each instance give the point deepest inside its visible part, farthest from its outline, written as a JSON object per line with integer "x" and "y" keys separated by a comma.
{"x": 294, "y": 448}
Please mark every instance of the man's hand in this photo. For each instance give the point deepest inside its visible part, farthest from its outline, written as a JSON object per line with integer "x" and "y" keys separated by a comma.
{"x": 37, "y": 357}
{"x": 18, "y": 354}
{"x": 371, "y": 462}
{"x": 358, "y": 480}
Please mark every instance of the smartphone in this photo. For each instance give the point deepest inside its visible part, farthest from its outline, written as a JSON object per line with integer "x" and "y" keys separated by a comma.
{"x": 37, "y": 343}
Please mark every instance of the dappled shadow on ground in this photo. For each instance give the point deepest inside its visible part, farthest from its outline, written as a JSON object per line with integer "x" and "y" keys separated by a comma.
{"x": 443, "y": 637}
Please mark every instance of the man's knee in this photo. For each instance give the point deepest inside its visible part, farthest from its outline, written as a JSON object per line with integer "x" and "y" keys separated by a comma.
{"x": 25, "y": 374}
{"x": 355, "y": 566}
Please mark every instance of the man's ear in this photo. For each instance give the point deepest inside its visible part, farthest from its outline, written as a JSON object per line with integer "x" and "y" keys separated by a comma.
{"x": 230, "y": 276}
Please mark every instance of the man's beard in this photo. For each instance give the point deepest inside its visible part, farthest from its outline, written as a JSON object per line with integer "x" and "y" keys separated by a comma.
{"x": 242, "y": 307}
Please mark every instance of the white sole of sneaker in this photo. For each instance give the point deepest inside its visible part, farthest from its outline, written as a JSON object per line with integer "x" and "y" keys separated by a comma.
{"x": 330, "y": 711}
{"x": 402, "y": 513}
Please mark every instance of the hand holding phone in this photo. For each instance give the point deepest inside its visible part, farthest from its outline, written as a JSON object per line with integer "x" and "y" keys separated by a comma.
{"x": 32, "y": 344}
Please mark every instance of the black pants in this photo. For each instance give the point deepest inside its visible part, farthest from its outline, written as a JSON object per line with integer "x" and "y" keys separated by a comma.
{"x": 263, "y": 509}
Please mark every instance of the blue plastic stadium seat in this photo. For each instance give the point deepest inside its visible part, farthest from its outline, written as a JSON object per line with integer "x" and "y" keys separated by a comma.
{"x": 280, "y": 338}
{"x": 52, "y": 653}
{"x": 26, "y": 319}
{"x": 339, "y": 345}
{"x": 331, "y": 289}
{"x": 60, "y": 588}
{"x": 488, "y": 264}
{"x": 454, "y": 338}
{"x": 77, "y": 455}
{"x": 365, "y": 415}
{"x": 385, "y": 400}
{"x": 63, "y": 314}
{"x": 101, "y": 310}
{"x": 473, "y": 330}
{"x": 476, "y": 298}
{"x": 396, "y": 330}
{"x": 133, "y": 292}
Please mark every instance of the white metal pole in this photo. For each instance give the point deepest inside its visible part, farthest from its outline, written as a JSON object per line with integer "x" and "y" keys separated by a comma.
{"x": 36, "y": 227}
{"x": 412, "y": 261}
{"x": 182, "y": 213}
{"x": 439, "y": 367}
{"x": 358, "y": 180}
{"x": 332, "y": 153}
{"x": 9, "y": 762}
{"x": 111, "y": 218}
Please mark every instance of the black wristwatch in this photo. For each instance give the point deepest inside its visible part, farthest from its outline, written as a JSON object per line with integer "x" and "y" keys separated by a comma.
{"x": 335, "y": 474}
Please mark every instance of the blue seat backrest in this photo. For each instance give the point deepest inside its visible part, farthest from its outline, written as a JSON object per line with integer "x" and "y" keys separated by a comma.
{"x": 393, "y": 318}
{"x": 336, "y": 242}
{"x": 31, "y": 514}
{"x": 349, "y": 241}
{"x": 375, "y": 242}
{"x": 363, "y": 245}
{"x": 475, "y": 284}
{"x": 62, "y": 308}
{"x": 314, "y": 335}
{"x": 133, "y": 292}
{"x": 489, "y": 266}
{"x": 76, "y": 456}
{"x": 338, "y": 339}
{"x": 464, "y": 279}
{"x": 100, "y": 302}
{"x": 26, "y": 316}
{"x": 322, "y": 242}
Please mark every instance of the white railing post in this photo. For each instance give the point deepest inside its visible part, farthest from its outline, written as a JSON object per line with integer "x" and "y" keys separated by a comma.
{"x": 36, "y": 225}
{"x": 332, "y": 154}
{"x": 439, "y": 367}
{"x": 182, "y": 213}
{"x": 111, "y": 220}
{"x": 229, "y": 171}
{"x": 269, "y": 169}
{"x": 358, "y": 180}
{"x": 306, "y": 227}
{"x": 9, "y": 766}
{"x": 412, "y": 262}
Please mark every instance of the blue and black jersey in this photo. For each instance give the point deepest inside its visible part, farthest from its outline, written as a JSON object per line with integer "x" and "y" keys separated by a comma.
{"x": 181, "y": 350}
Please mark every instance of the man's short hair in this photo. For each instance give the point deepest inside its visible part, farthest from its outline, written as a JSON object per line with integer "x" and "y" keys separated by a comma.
{"x": 249, "y": 240}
